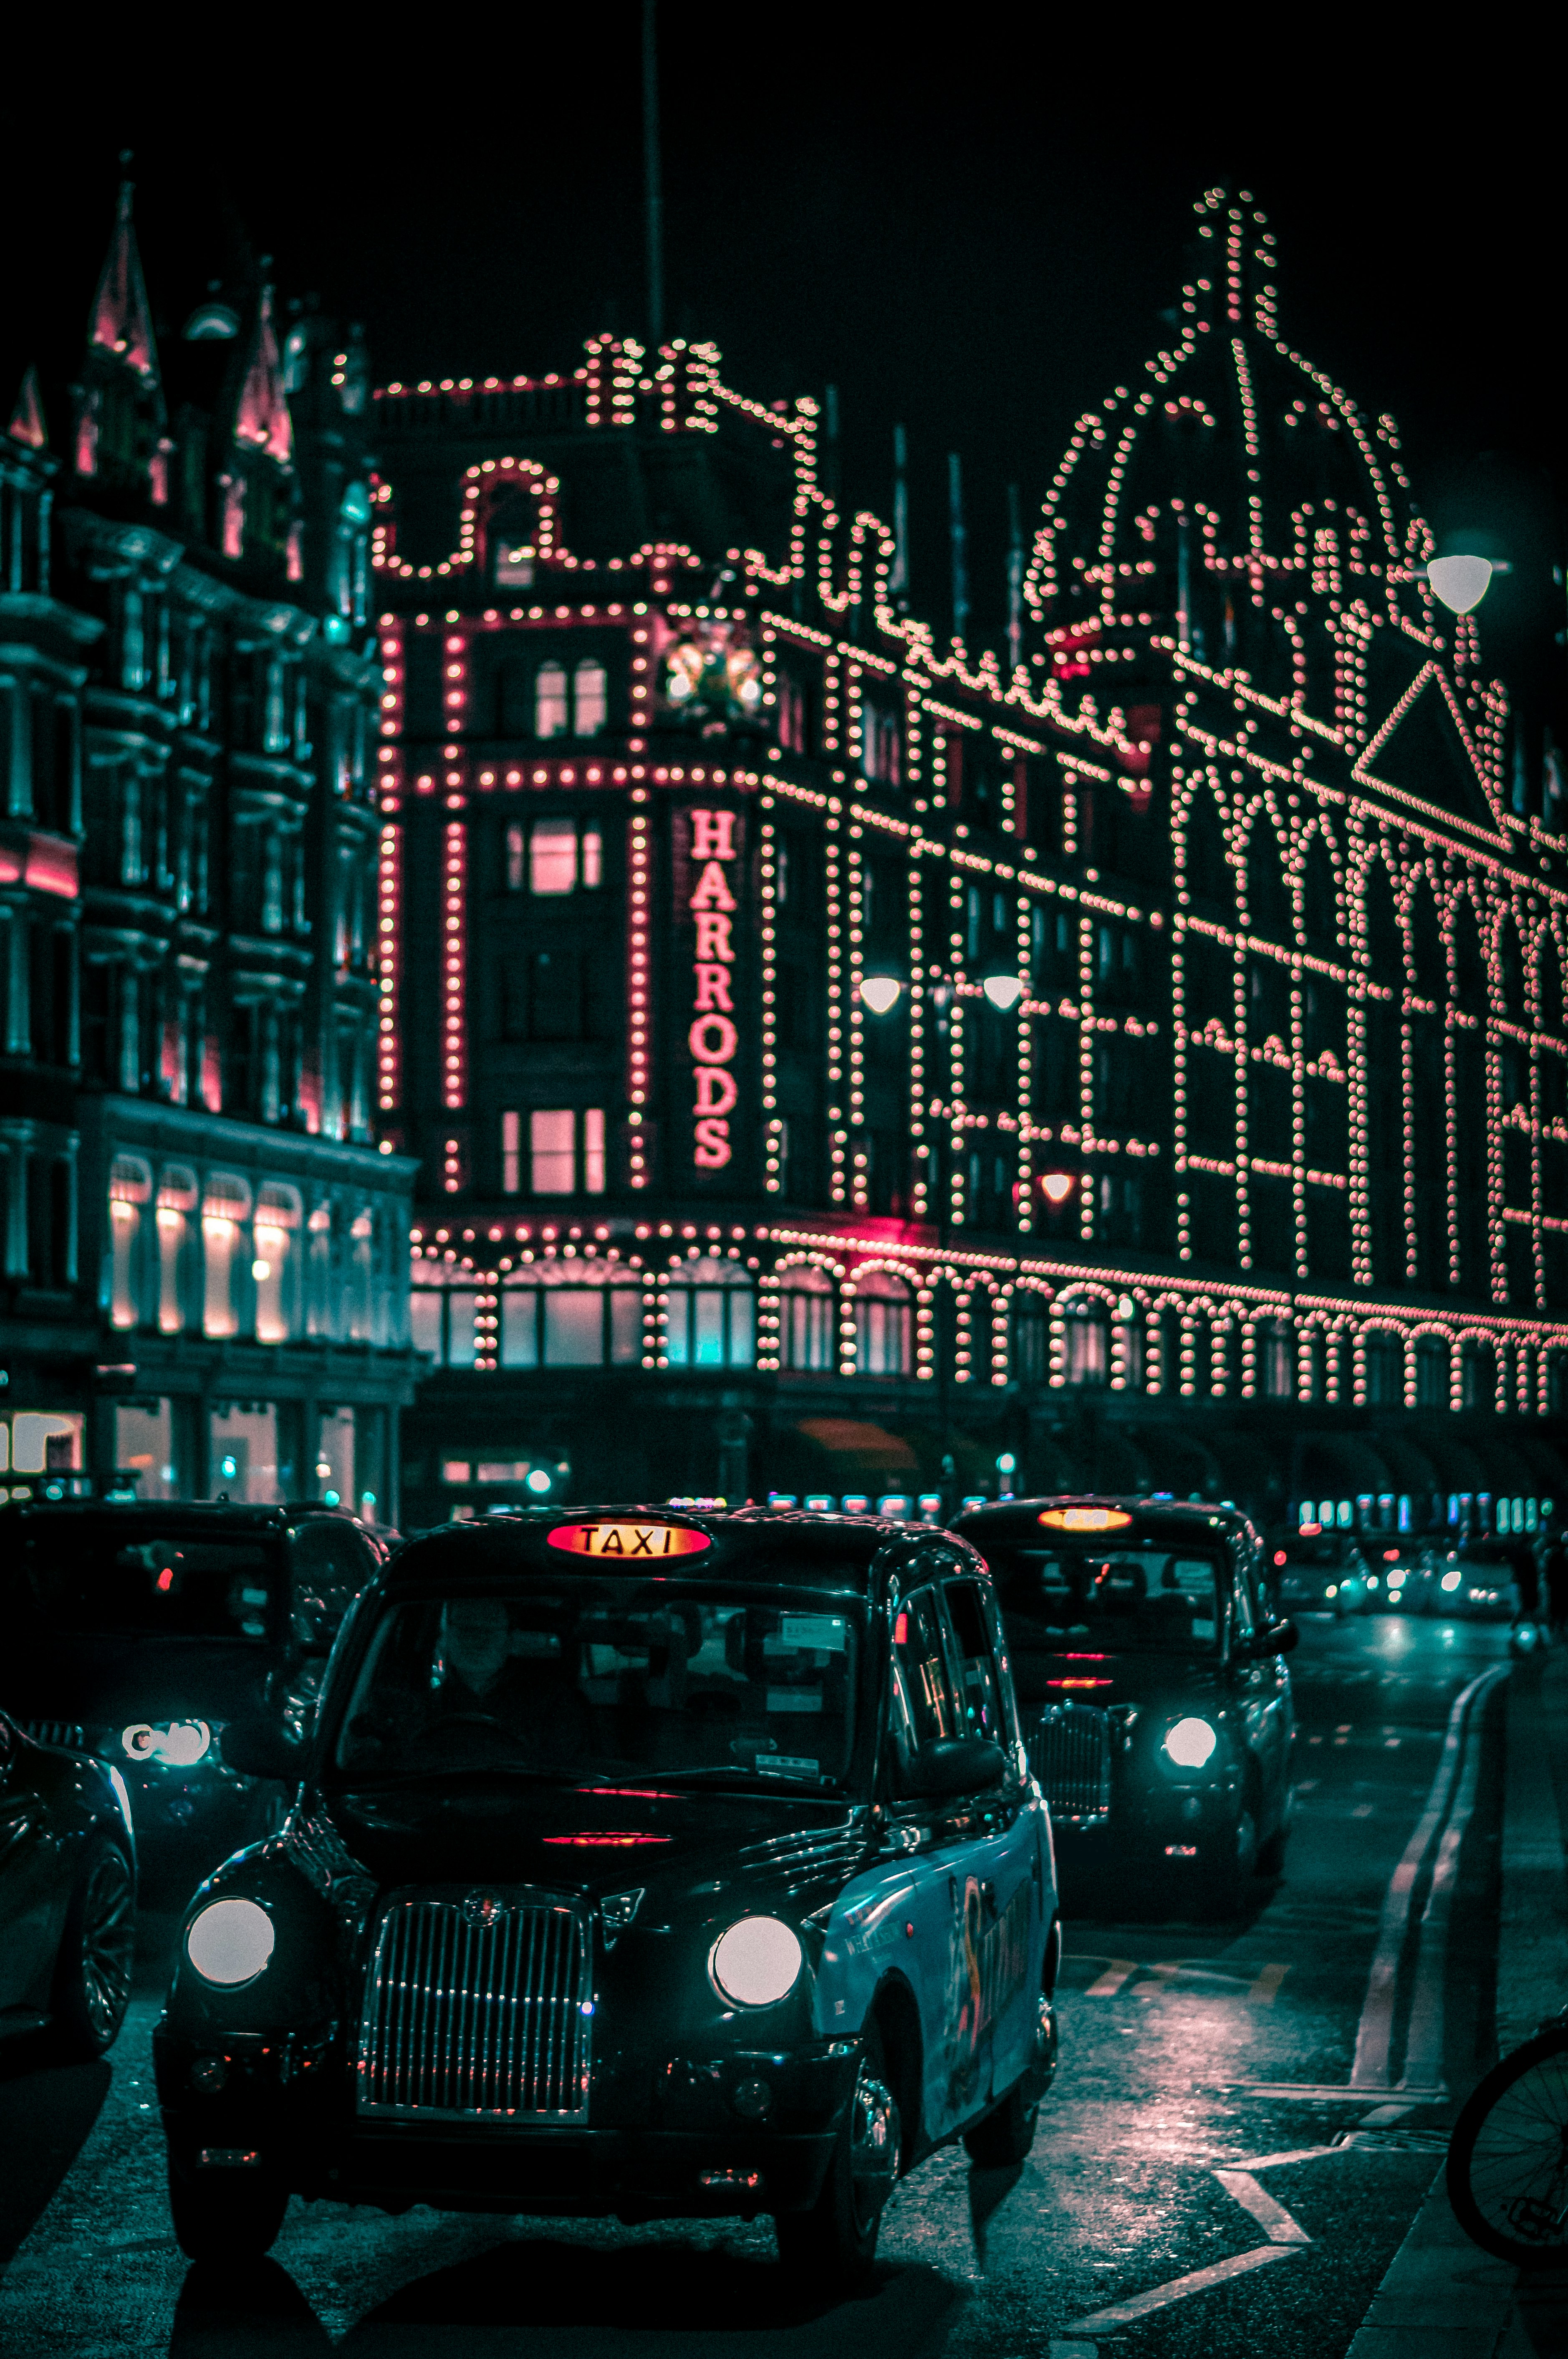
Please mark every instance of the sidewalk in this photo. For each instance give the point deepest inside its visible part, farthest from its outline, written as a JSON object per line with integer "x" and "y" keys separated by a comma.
{"x": 1443, "y": 2296}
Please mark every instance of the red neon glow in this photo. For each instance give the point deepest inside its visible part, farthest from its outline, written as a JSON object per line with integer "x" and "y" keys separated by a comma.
{"x": 901, "y": 1631}
{"x": 166, "y": 1578}
{"x": 633, "y": 1793}
{"x": 1080, "y": 1683}
{"x": 608, "y": 1842}
{"x": 454, "y": 963}
{"x": 713, "y": 1039}
{"x": 389, "y": 907}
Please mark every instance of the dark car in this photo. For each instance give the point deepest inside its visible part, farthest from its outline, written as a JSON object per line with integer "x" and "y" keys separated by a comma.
{"x": 68, "y": 1894}
{"x": 1146, "y": 1651}
{"x": 1477, "y": 1582}
{"x": 1403, "y": 1576}
{"x": 138, "y": 1630}
{"x": 655, "y": 1862}
{"x": 1317, "y": 1571}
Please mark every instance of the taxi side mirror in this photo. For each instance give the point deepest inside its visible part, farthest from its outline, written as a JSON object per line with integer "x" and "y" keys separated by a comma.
{"x": 1275, "y": 1639}
{"x": 261, "y": 1748}
{"x": 955, "y": 1765}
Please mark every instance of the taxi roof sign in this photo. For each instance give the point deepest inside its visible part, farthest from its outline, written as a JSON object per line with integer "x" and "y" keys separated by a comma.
{"x": 1085, "y": 1519}
{"x": 622, "y": 1536}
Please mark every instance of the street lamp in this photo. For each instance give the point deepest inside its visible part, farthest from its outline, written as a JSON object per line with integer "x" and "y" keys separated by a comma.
{"x": 1003, "y": 991}
{"x": 1462, "y": 581}
{"x": 880, "y": 992}
{"x": 1056, "y": 1186}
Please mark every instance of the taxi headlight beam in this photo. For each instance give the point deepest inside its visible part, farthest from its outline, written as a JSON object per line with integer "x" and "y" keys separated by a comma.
{"x": 1191, "y": 1743}
{"x": 756, "y": 1962}
{"x": 230, "y": 1942}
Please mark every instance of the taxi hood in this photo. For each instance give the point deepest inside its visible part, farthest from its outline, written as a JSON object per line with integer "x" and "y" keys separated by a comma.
{"x": 1150, "y": 1680}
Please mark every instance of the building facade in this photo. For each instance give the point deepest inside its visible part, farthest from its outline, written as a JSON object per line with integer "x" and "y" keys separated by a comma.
{"x": 205, "y": 1261}
{"x": 840, "y": 1068}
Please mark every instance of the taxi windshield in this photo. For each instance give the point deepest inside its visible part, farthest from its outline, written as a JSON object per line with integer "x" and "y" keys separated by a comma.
{"x": 1150, "y": 1600}
{"x": 610, "y": 1678}
{"x": 97, "y": 1579}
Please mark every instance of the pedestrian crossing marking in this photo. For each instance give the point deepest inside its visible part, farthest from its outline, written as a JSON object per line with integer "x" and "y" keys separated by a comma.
{"x": 1266, "y": 1985}
{"x": 1106, "y": 1985}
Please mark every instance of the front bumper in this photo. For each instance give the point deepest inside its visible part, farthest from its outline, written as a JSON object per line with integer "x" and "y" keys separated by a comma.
{"x": 675, "y": 2143}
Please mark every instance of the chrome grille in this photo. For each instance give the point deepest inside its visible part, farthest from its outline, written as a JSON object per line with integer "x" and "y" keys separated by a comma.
{"x": 68, "y": 1733}
{"x": 1070, "y": 1754}
{"x": 464, "y": 2018}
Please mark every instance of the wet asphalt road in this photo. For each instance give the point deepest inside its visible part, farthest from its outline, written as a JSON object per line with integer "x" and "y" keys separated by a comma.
{"x": 1189, "y": 2051}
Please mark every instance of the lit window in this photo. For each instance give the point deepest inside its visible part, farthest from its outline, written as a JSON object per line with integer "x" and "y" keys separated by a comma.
{"x": 550, "y": 1144}
{"x": 711, "y": 1322}
{"x": 806, "y": 1314}
{"x": 511, "y": 1154}
{"x": 882, "y": 1325}
{"x": 552, "y": 857}
{"x": 593, "y": 1150}
{"x": 1086, "y": 1338}
{"x": 590, "y": 702}
{"x": 225, "y": 1205}
{"x": 550, "y": 701}
{"x": 592, "y": 857}
{"x": 278, "y": 1214}
{"x": 130, "y": 1187}
{"x": 177, "y": 1197}
{"x": 516, "y": 846}
{"x": 425, "y": 1321}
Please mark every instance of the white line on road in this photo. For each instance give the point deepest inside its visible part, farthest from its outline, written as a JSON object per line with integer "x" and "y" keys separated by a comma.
{"x": 1375, "y": 2032}
{"x": 1327, "y": 2091}
{"x": 1106, "y": 1986}
{"x": 1424, "y": 2042}
{"x": 1294, "y": 2154}
{"x": 1276, "y": 2223}
{"x": 1122, "y": 2313}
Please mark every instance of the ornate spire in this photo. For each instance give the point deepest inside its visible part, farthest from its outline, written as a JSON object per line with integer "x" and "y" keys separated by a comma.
{"x": 27, "y": 419}
{"x": 261, "y": 414}
{"x": 120, "y": 321}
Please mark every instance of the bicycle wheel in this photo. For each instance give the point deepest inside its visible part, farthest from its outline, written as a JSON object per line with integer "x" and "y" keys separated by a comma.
{"x": 1508, "y": 2158}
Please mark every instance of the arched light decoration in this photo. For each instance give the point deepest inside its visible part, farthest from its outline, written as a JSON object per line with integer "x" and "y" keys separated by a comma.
{"x": 1461, "y": 582}
{"x": 1003, "y": 991}
{"x": 880, "y": 992}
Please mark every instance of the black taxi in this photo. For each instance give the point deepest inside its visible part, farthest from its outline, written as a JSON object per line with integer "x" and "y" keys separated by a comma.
{"x": 645, "y": 1862}
{"x": 1147, "y": 1656}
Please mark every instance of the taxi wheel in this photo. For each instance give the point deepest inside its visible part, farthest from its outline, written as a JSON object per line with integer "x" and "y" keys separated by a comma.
{"x": 224, "y": 2215}
{"x": 832, "y": 2247}
{"x": 92, "y": 1979}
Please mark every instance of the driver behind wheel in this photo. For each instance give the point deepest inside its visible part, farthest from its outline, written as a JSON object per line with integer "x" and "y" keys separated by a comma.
{"x": 524, "y": 1680}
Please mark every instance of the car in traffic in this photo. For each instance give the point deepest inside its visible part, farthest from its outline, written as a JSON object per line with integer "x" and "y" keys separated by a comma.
{"x": 1402, "y": 1577}
{"x": 1319, "y": 1572}
{"x": 1147, "y": 1654}
{"x": 136, "y": 1630}
{"x": 68, "y": 1894}
{"x": 1477, "y": 1582}
{"x": 659, "y": 1861}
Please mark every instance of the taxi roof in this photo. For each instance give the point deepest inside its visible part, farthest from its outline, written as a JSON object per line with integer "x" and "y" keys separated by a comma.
{"x": 1181, "y": 1519}
{"x": 782, "y": 1547}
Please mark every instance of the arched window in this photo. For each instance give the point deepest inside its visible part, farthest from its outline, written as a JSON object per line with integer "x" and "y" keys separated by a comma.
{"x": 806, "y": 1321}
{"x": 1086, "y": 1342}
{"x": 590, "y": 698}
{"x": 177, "y": 1199}
{"x": 1478, "y": 1375}
{"x": 883, "y": 1326}
{"x": 1031, "y": 1337}
{"x": 1127, "y": 1347}
{"x": 711, "y": 1316}
{"x": 1268, "y": 902}
{"x": 571, "y": 1314}
{"x": 278, "y": 1215}
{"x": 225, "y": 1208}
{"x": 550, "y": 701}
{"x": 1321, "y": 911}
{"x": 1385, "y": 1363}
{"x": 1431, "y": 1372}
{"x": 130, "y": 1189}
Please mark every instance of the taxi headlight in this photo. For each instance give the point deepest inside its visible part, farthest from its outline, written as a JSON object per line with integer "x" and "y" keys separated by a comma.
{"x": 230, "y": 1942}
{"x": 1333, "y": 1589}
{"x": 178, "y": 1744}
{"x": 756, "y": 1963}
{"x": 1191, "y": 1743}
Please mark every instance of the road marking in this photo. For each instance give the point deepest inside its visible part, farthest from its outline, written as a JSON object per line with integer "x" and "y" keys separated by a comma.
{"x": 1122, "y": 2313}
{"x": 1266, "y": 1985}
{"x": 1363, "y": 1810}
{"x": 1381, "y": 2115}
{"x": 1374, "y": 2034}
{"x": 1324, "y": 2091}
{"x": 1106, "y": 1986}
{"x": 1057, "y": 2349}
{"x": 1423, "y": 2041}
{"x": 1293, "y": 2153}
{"x": 1308, "y": 1785}
{"x": 1273, "y": 2218}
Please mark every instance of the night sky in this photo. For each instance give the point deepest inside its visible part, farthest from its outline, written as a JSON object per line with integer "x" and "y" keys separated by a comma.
{"x": 976, "y": 242}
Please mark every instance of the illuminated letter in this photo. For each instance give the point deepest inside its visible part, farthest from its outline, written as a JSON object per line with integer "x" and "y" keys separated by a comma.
{"x": 712, "y": 892}
{"x": 712, "y": 1039}
{"x": 712, "y": 834}
{"x": 712, "y": 1144}
{"x": 713, "y": 990}
{"x": 713, "y": 938}
{"x": 716, "y": 1090}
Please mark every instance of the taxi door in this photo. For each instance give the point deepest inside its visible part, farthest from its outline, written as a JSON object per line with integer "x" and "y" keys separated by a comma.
{"x": 1263, "y": 1686}
{"x": 973, "y": 1889}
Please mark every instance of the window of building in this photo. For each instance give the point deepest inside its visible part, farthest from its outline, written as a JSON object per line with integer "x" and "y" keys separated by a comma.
{"x": 566, "y": 1150}
{"x": 144, "y": 1449}
{"x": 572, "y": 1315}
{"x": 884, "y": 1321}
{"x": 275, "y": 1268}
{"x": 550, "y": 701}
{"x": 511, "y": 1153}
{"x": 1276, "y": 1361}
{"x": 332, "y": 1469}
{"x": 1087, "y": 1340}
{"x": 1385, "y": 1363}
{"x": 425, "y": 1321}
{"x": 806, "y": 1337}
{"x": 176, "y": 1200}
{"x": 225, "y": 1208}
{"x": 130, "y": 1189}
{"x": 1431, "y": 1372}
{"x": 242, "y": 1453}
{"x": 562, "y": 856}
{"x": 42, "y": 1441}
{"x": 362, "y": 1277}
{"x": 711, "y": 1318}
{"x": 1030, "y": 1338}
{"x": 590, "y": 698}
{"x": 1478, "y": 1375}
